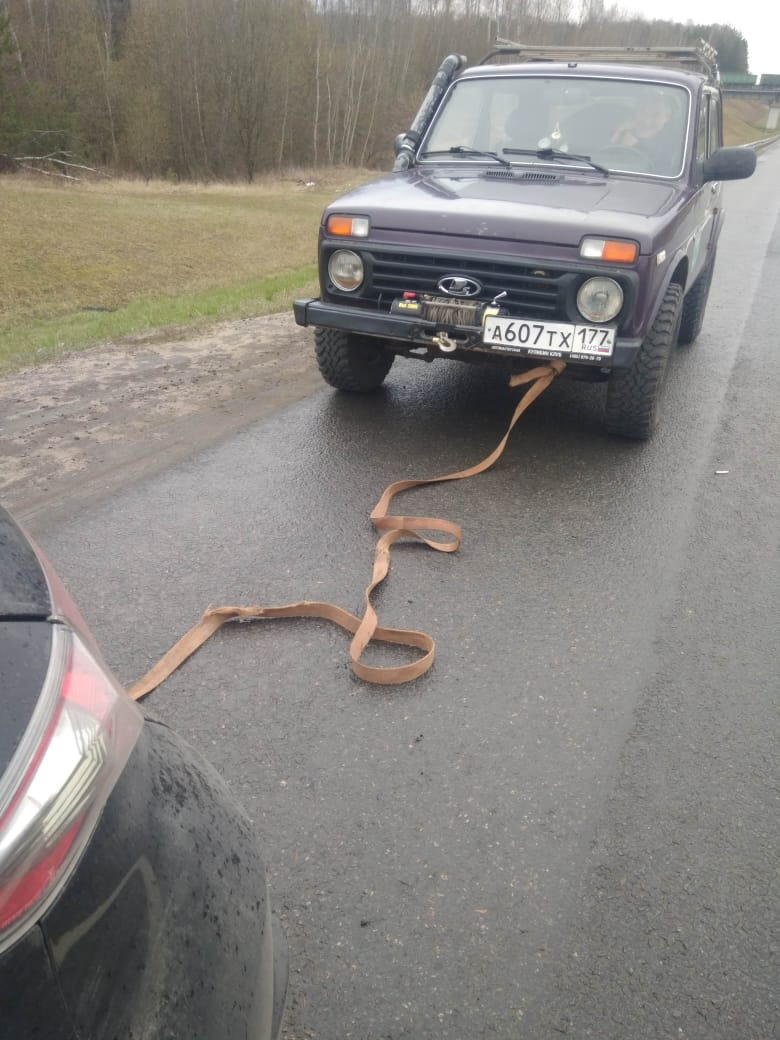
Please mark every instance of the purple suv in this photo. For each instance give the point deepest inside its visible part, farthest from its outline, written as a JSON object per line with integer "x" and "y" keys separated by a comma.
{"x": 551, "y": 207}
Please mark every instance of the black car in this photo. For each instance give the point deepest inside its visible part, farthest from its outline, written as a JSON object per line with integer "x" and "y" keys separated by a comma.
{"x": 133, "y": 902}
{"x": 547, "y": 203}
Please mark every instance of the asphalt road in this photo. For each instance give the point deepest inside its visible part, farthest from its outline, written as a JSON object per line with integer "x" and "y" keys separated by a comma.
{"x": 569, "y": 827}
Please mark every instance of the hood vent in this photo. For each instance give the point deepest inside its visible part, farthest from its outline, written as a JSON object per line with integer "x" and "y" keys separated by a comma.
{"x": 525, "y": 175}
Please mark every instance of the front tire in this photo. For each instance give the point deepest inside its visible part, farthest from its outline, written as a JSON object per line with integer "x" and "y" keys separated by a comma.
{"x": 633, "y": 394}
{"x": 695, "y": 305}
{"x": 349, "y": 361}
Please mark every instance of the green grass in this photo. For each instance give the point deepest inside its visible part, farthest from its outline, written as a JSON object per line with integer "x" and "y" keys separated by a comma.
{"x": 38, "y": 338}
{"x": 96, "y": 261}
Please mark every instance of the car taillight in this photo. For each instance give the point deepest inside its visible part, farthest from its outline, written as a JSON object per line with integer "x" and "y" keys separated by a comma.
{"x": 76, "y": 745}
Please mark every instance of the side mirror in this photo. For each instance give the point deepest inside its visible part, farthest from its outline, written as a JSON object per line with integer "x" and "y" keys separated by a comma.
{"x": 729, "y": 164}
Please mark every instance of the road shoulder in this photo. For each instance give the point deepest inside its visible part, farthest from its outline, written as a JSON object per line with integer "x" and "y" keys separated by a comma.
{"x": 76, "y": 429}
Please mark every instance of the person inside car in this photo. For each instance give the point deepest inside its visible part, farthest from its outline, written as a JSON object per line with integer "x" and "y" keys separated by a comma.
{"x": 650, "y": 119}
{"x": 653, "y": 132}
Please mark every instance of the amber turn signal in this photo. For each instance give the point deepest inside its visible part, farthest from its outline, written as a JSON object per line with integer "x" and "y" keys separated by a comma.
{"x": 339, "y": 224}
{"x": 615, "y": 251}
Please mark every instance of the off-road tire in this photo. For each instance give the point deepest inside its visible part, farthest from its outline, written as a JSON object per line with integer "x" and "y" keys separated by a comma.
{"x": 695, "y": 304}
{"x": 633, "y": 393}
{"x": 349, "y": 361}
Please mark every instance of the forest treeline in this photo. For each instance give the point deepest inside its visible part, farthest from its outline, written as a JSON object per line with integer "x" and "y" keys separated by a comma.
{"x": 227, "y": 89}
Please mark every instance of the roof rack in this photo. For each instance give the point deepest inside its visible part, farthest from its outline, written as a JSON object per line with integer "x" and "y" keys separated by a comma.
{"x": 702, "y": 57}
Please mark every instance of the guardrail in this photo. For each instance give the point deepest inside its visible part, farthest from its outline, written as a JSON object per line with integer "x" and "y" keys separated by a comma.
{"x": 761, "y": 93}
{"x": 763, "y": 143}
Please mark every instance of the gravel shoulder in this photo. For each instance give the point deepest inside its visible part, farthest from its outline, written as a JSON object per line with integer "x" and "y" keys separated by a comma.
{"x": 74, "y": 430}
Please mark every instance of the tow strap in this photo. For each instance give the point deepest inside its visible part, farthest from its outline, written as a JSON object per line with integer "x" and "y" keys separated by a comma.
{"x": 393, "y": 528}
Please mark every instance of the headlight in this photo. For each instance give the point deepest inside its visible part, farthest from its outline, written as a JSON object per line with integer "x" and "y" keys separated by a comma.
{"x": 599, "y": 299}
{"x": 346, "y": 270}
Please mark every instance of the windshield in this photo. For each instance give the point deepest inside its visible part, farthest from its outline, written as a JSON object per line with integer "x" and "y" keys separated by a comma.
{"x": 624, "y": 125}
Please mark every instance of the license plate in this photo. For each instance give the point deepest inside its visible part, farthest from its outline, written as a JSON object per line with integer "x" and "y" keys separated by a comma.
{"x": 548, "y": 338}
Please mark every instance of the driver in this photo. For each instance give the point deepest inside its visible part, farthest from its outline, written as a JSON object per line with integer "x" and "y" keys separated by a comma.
{"x": 649, "y": 120}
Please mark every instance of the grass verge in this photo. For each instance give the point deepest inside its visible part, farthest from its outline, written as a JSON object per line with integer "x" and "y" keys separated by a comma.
{"x": 42, "y": 338}
{"x": 96, "y": 261}
{"x": 744, "y": 120}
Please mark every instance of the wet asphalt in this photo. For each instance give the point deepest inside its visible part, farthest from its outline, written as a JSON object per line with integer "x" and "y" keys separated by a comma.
{"x": 569, "y": 827}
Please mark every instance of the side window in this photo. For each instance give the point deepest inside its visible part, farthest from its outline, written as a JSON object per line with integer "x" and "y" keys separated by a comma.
{"x": 702, "y": 138}
{"x": 714, "y": 136}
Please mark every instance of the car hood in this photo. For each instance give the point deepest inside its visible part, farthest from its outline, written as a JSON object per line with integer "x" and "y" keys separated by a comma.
{"x": 542, "y": 204}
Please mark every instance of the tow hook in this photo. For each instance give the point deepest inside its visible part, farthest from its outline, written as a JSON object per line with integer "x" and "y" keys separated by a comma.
{"x": 444, "y": 343}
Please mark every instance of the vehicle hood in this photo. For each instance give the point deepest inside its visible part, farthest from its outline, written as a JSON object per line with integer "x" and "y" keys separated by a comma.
{"x": 542, "y": 204}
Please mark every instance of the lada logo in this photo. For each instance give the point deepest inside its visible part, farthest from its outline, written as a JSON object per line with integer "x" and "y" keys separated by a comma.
{"x": 454, "y": 285}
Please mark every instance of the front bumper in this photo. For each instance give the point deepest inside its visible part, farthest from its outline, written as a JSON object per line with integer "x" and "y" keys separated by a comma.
{"x": 409, "y": 333}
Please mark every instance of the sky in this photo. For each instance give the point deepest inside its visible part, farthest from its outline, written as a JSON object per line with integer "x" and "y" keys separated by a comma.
{"x": 757, "y": 20}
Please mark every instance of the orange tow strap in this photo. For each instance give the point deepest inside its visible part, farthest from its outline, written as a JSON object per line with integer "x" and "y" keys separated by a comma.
{"x": 364, "y": 630}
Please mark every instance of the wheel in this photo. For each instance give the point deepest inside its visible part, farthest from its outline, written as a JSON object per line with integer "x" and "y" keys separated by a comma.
{"x": 350, "y": 361}
{"x": 695, "y": 304}
{"x": 633, "y": 393}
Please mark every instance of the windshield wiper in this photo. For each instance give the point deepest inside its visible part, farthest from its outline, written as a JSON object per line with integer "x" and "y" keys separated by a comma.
{"x": 464, "y": 149}
{"x": 555, "y": 153}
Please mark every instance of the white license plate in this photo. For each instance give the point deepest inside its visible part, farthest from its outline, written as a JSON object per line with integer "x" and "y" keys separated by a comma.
{"x": 547, "y": 338}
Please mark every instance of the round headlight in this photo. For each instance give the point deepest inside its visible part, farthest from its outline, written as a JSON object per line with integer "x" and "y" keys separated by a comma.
{"x": 599, "y": 299}
{"x": 346, "y": 270}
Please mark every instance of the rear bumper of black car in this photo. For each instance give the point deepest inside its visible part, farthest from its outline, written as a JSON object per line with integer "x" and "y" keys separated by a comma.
{"x": 168, "y": 914}
{"x": 409, "y": 333}
{"x": 31, "y": 1004}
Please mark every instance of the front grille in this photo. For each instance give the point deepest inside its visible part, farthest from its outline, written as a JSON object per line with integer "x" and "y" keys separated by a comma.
{"x": 532, "y": 290}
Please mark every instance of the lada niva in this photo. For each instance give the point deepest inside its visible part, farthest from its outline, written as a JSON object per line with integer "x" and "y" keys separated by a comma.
{"x": 545, "y": 203}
